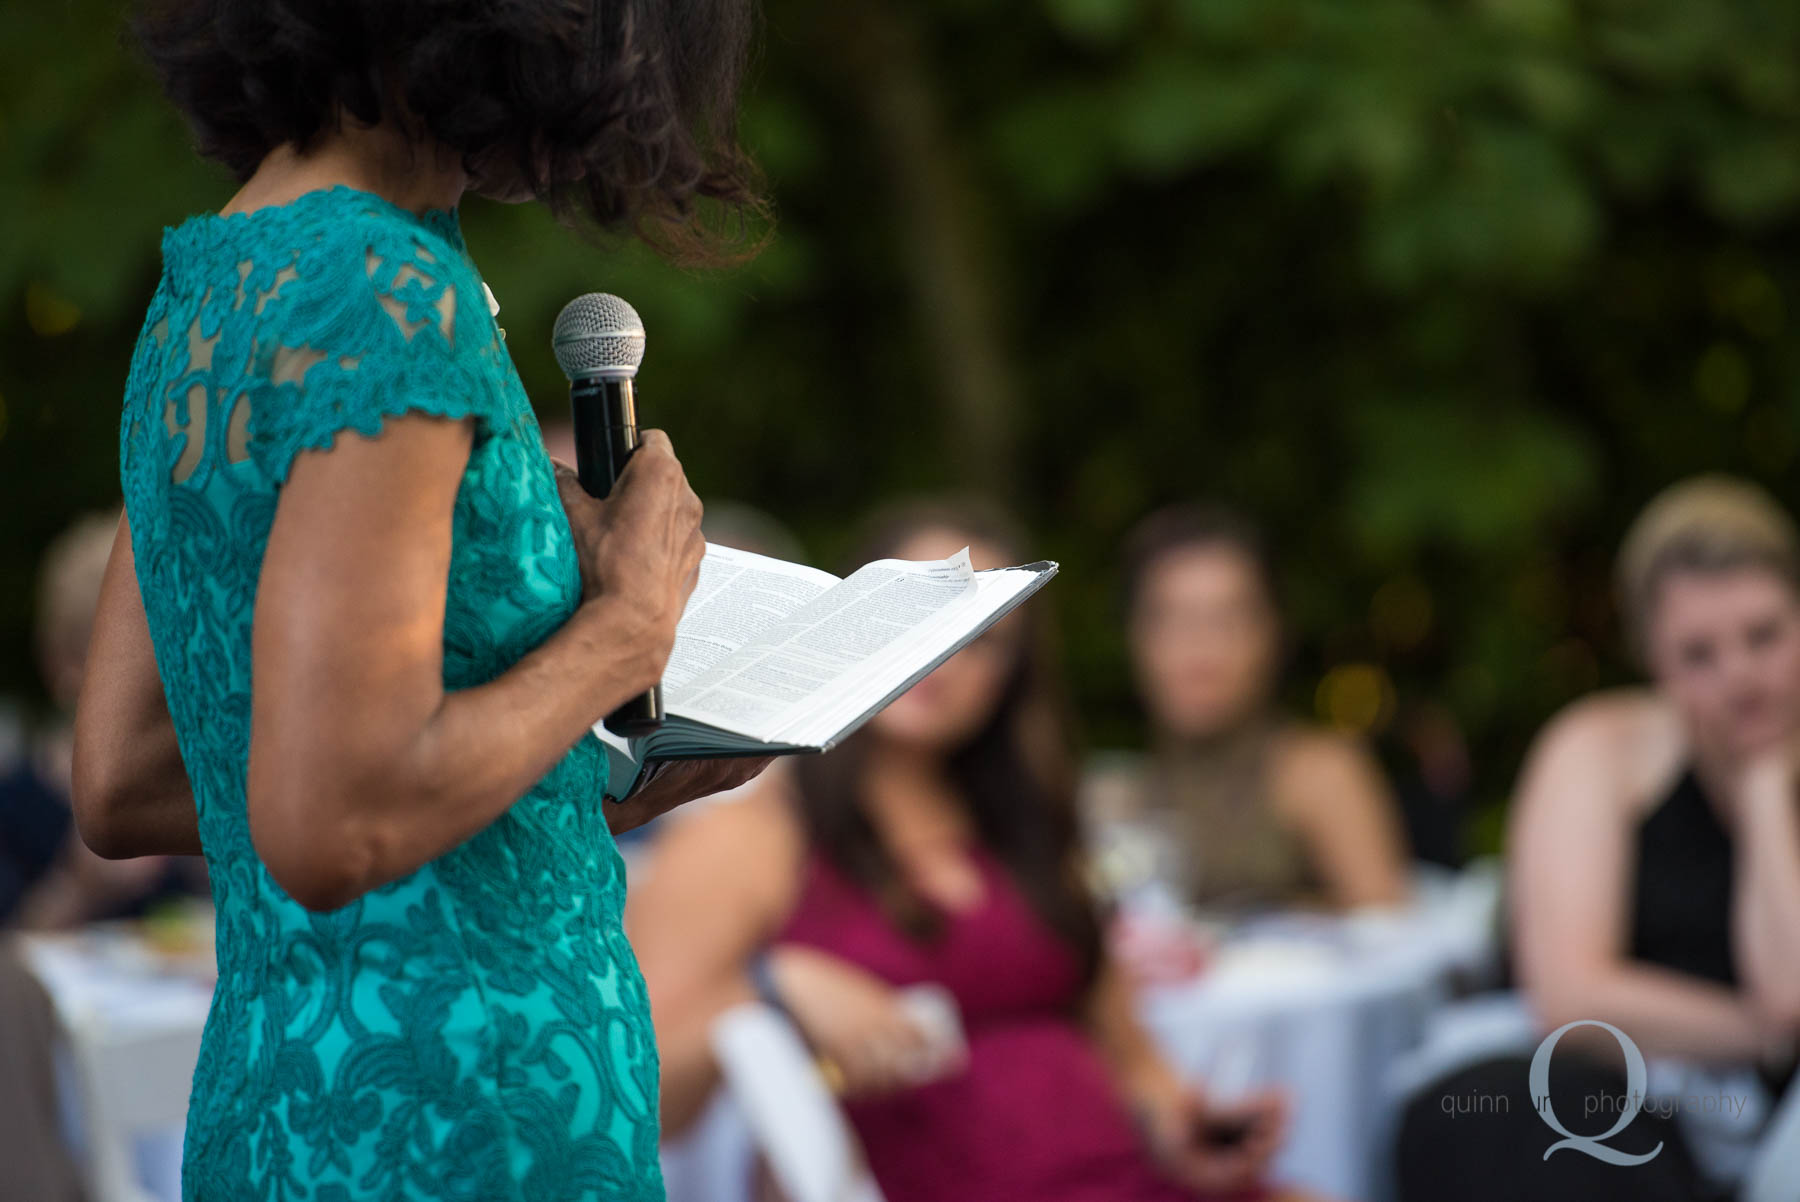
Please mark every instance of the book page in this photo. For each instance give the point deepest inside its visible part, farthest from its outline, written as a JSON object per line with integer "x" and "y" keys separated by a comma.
{"x": 740, "y": 599}
{"x": 835, "y": 635}
{"x": 910, "y": 658}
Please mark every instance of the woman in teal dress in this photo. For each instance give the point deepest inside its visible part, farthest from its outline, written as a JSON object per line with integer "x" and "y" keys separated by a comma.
{"x": 357, "y": 625}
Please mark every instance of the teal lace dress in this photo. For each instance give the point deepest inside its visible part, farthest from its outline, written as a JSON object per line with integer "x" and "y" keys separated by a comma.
{"x": 477, "y": 1030}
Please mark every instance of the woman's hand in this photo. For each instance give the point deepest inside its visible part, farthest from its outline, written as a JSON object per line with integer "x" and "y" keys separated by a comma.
{"x": 678, "y": 781}
{"x": 640, "y": 547}
{"x": 1211, "y": 1146}
{"x": 1766, "y": 901}
{"x": 1214, "y": 1147}
{"x": 1767, "y": 778}
{"x": 853, "y": 1020}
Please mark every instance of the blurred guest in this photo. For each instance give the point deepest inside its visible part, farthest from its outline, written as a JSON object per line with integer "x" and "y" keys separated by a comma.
{"x": 747, "y": 528}
{"x": 48, "y": 877}
{"x": 1655, "y": 845}
{"x": 1258, "y": 809}
{"x": 1433, "y": 798}
{"x": 939, "y": 846}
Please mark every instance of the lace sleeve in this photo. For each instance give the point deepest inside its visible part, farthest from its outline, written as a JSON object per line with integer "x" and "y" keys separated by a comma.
{"x": 372, "y": 320}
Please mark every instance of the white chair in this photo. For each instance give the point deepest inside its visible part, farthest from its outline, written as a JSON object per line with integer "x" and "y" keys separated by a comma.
{"x": 793, "y": 1117}
{"x": 1775, "y": 1168}
{"x": 711, "y": 1161}
{"x": 1459, "y": 1035}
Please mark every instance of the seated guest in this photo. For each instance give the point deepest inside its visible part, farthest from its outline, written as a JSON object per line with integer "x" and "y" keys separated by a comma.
{"x": 1654, "y": 855}
{"x": 1257, "y": 808}
{"x": 48, "y": 877}
{"x": 939, "y": 846}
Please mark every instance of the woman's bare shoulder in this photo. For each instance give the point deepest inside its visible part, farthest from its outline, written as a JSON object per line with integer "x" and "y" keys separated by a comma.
{"x": 1632, "y": 736}
{"x": 1616, "y": 720}
{"x": 1314, "y": 770}
{"x": 1304, "y": 750}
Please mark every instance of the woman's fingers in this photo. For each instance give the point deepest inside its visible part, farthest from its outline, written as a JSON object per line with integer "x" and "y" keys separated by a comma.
{"x": 681, "y": 781}
{"x": 882, "y": 1050}
{"x": 717, "y": 775}
{"x": 892, "y": 1052}
{"x": 743, "y": 771}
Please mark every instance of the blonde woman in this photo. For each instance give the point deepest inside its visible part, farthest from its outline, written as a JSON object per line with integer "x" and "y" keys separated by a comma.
{"x": 1655, "y": 868}
{"x": 1655, "y": 844}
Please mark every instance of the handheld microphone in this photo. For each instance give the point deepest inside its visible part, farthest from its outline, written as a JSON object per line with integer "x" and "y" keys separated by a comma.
{"x": 599, "y": 342}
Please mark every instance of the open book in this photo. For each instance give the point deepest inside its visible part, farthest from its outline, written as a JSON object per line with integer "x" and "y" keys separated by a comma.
{"x": 773, "y": 658}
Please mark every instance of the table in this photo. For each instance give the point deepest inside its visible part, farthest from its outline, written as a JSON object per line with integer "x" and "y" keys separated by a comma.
{"x": 134, "y": 1018}
{"x": 1317, "y": 1020}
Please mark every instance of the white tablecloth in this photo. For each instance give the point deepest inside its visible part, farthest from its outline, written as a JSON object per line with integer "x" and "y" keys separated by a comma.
{"x": 134, "y": 1031}
{"x": 1319, "y": 1025}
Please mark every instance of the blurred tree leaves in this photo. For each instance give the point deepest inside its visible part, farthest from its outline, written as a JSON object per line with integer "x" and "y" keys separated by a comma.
{"x": 91, "y": 167}
{"x": 1442, "y": 289}
{"x": 1430, "y": 470}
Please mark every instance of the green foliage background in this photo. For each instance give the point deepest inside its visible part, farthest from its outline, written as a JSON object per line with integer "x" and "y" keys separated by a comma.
{"x": 1441, "y": 289}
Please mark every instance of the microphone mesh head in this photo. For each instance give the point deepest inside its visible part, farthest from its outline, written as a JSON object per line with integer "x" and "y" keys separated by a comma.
{"x": 598, "y": 335}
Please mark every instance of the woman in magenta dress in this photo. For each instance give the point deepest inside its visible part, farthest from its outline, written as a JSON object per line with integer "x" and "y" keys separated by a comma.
{"x": 939, "y": 846}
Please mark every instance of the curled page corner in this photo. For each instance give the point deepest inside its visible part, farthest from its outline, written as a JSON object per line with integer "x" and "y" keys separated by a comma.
{"x": 959, "y": 566}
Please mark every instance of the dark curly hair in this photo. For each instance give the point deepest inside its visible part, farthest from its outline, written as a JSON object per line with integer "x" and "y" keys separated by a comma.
{"x": 620, "y": 112}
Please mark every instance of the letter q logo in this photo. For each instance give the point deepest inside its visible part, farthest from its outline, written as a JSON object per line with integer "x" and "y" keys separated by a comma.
{"x": 1592, "y": 1145}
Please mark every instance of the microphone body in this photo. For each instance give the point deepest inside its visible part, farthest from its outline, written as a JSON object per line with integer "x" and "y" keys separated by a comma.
{"x": 590, "y": 333}
{"x": 606, "y": 432}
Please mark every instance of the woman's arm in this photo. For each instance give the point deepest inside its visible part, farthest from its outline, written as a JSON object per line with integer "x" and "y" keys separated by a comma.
{"x": 1766, "y": 906}
{"x": 1175, "y": 1115}
{"x": 362, "y": 767}
{"x": 1137, "y": 1064}
{"x": 1570, "y": 877}
{"x": 715, "y": 889}
{"x": 1337, "y": 799}
{"x": 131, "y": 792}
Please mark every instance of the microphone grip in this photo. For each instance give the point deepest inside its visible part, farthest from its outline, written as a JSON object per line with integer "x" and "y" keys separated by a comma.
{"x": 604, "y": 411}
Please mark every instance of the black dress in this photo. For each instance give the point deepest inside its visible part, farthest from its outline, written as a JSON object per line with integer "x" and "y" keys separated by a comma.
{"x": 1681, "y": 897}
{"x": 1476, "y": 1135}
